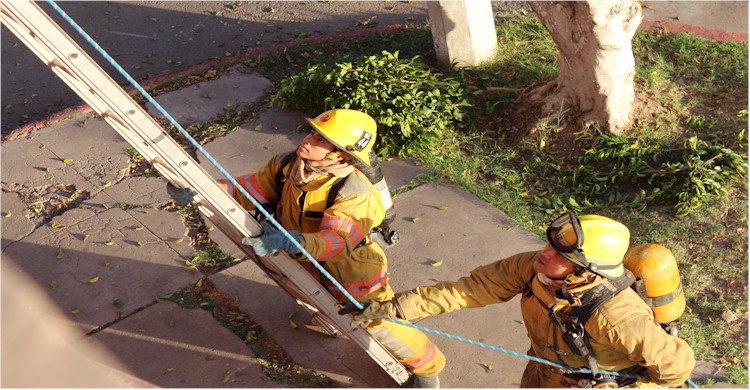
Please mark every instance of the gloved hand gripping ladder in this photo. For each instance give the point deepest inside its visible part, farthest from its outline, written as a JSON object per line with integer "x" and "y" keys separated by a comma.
{"x": 64, "y": 57}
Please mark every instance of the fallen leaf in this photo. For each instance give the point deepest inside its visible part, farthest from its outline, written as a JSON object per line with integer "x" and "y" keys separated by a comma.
{"x": 106, "y": 264}
{"x": 211, "y": 228}
{"x": 249, "y": 337}
{"x": 437, "y": 263}
{"x": 94, "y": 279}
{"x": 415, "y": 219}
{"x": 68, "y": 160}
{"x": 57, "y": 226}
{"x": 8, "y": 214}
{"x": 292, "y": 314}
{"x": 140, "y": 228}
{"x": 116, "y": 302}
{"x": 179, "y": 240}
{"x": 259, "y": 127}
{"x": 166, "y": 296}
{"x": 75, "y": 311}
{"x": 108, "y": 184}
{"x": 66, "y": 294}
{"x": 442, "y": 208}
{"x": 226, "y": 379}
{"x": 109, "y": 243}
{"x": 53, "y": 284}
{"x": 293, "y": 324}
{"x": 141, "y": 244}
{"x": 487, "y": 367}
{"x": 60, "y": 254}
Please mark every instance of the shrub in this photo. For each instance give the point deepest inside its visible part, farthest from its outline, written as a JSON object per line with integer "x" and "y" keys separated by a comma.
{"x": 413, "y": 106}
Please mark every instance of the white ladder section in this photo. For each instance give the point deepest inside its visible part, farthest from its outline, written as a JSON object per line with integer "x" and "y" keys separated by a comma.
{"x": 64, "y": 57}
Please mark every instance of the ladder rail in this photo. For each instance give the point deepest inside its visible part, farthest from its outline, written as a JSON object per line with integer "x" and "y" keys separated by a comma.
{"x": 69, "y": 62}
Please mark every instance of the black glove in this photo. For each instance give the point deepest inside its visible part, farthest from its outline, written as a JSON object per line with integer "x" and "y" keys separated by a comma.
{"x": 181, "y": 196}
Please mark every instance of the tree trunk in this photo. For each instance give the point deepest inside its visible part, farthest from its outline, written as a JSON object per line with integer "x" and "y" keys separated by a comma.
{"x": 597, "y": 67}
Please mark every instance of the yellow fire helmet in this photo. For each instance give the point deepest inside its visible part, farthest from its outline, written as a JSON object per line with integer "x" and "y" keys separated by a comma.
{"x": 592, "y": 241}
{"x": 351, "y": 131}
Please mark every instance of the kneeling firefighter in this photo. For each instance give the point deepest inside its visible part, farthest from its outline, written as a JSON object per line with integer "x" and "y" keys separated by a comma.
{"x": 576, "y": 304}
{"x": 329, "y": 207}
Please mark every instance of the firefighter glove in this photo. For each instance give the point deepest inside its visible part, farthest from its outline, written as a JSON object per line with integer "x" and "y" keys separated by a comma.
{"x": 181, "y": 196}
{"x": 371, "y": 311}
{"x": 272, "y": 241}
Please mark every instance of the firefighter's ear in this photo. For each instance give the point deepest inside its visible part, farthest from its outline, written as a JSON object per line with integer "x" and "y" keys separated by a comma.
{"x": 335, "y": 155}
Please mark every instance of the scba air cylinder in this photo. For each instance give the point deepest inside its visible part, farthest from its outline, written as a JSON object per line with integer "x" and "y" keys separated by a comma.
{"x": 657, "y": 267}
{"x": 375, "y": 175}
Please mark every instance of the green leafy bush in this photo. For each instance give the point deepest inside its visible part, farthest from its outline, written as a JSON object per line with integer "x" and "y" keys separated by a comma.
{"x": 413, "y": 106}
{"x": 620, "y": 171}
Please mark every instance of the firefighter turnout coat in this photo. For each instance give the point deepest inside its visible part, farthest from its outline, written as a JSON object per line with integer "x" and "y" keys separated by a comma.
{"x": 622, "y": 331}
{"x": 338, "y": 238}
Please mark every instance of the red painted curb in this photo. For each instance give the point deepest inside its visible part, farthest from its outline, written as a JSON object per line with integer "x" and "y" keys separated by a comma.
{"x": 703, "y": 32}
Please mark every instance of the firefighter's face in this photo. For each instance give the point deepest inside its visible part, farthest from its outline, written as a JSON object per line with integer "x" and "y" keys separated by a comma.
{"x": 314, "y": 147}
{"x": 552, "y": 264}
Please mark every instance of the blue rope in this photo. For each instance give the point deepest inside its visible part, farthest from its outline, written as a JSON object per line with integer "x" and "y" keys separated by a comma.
{"x": 521, "y": 355}
{"x": 571, "y": 370}
{"x": 202, "y": 150}
{"x": 268, "y": 216}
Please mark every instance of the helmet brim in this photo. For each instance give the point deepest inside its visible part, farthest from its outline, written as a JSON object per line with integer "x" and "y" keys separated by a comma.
{"x": 337, "y": 145}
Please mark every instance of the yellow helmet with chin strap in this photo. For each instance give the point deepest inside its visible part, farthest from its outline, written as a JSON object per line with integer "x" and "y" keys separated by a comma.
{"x": 352, "y": 132}
{"x": 594, "y": 242}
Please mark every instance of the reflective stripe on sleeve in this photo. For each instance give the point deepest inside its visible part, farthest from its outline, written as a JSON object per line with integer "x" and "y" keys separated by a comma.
{"x": 250, "y": 183}
{"x": 334, "y": 244}
{"x": 345, "y": 225}
{"x": 362, "y": 288}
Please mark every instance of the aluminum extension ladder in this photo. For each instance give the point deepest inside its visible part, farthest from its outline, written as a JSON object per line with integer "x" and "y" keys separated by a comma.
{"x": 64, "y": 57}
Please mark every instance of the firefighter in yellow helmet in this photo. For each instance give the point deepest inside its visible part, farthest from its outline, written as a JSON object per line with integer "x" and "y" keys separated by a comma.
{"x": 583, "y": 257}
{"x": 329, "y": 207}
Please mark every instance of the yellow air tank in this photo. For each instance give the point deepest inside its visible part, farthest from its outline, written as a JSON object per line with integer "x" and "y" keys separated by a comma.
{"x": 657, "y": 267}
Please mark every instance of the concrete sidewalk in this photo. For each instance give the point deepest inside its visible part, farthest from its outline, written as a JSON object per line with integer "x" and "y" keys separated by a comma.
{"x": 99, "y": 252}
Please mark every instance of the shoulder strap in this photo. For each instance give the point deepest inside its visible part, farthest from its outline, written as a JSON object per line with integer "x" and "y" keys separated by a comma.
{"x": 280, "y": 176}
{"x": 594, "y": 298}
{"x": 346, "y": 186}
{"x": 280, "y": 180}
{"x": 335, "y": 188}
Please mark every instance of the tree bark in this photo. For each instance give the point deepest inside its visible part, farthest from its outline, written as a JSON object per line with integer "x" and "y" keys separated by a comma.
{"x": 597, "y": 68}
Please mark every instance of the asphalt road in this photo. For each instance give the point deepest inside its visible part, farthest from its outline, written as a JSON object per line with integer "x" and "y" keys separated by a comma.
{"x": 149, "y": 38}
{"x": 153, "y": 38}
